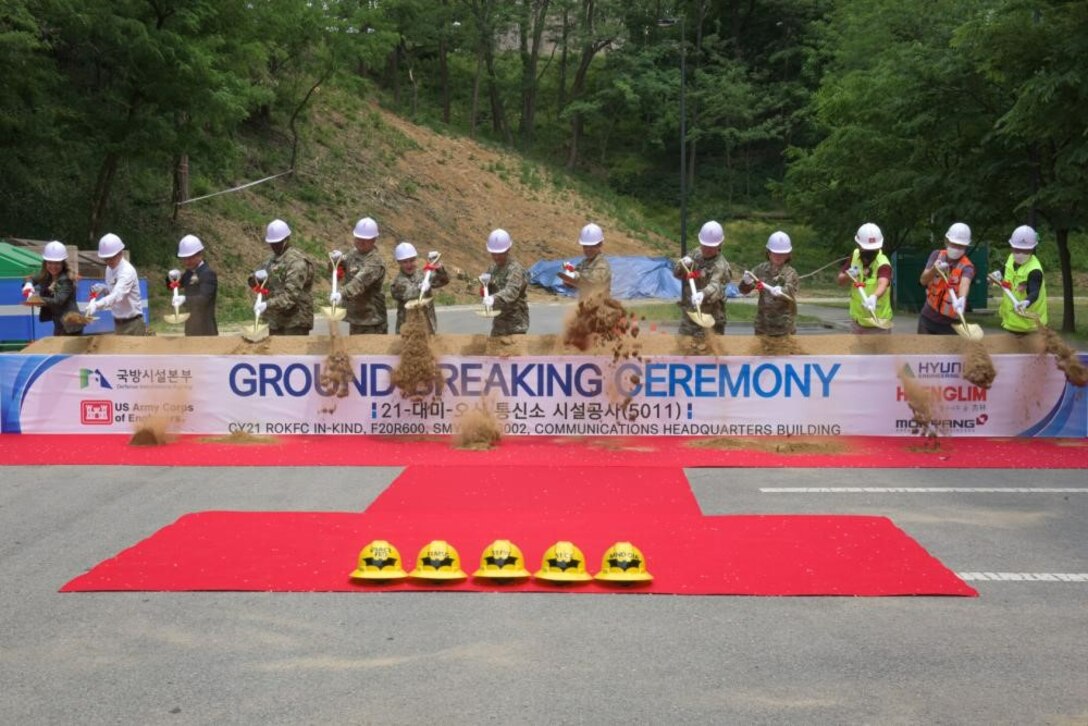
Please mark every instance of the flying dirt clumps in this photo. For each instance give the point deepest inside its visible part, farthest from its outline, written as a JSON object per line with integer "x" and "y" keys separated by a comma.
{"x": 599, "y": 320}
{"x": 417, "y": 372}
{"x": 74, "y": 318}
{"x": 922, "y": 405}
{"x": 1075, "y": 371}
{"x": 336, "y": 374}
{"x": 476, "y": 430}
{"x": 978, "y": 367}
{"x": 151, "y": 432}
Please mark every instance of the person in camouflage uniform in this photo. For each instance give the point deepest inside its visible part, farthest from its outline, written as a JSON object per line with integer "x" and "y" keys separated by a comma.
{"x": 593, "y": 274}
{"x": 507, "y": 288}
{"x": 710, "y": 270}
{"x": 361, "y": 288}
{"x": 289, "y": 309}
{"x": 777, "y": 282}
{"x": 409, "y": 283}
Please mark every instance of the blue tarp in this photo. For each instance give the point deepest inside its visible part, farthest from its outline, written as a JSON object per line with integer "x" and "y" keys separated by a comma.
{"x": 20, "y": 323}
{"x": 632, "y": 277}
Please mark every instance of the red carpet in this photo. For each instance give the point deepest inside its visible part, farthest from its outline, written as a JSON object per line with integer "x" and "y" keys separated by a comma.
{"x": 853, "y": 452}
{"x": 470, "y": 506}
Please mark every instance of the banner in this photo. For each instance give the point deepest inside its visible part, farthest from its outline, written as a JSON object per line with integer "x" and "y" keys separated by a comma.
{"x": 542, "y": 396}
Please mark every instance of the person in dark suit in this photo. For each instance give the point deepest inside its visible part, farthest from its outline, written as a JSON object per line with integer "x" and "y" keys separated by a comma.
{"x": 54, "y": 291}
{"x": 199, "y": 287}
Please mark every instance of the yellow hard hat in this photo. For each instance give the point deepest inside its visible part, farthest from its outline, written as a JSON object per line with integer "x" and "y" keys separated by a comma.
{"x": 563, "y": 562}
{"x": 379, "y": 560}
{"x": 438, "y": 560}
{"x": 623, "y": 562}
{"x": 502, "y": 559}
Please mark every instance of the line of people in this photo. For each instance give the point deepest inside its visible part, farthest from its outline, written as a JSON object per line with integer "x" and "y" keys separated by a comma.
{"x": 286, "y": 284}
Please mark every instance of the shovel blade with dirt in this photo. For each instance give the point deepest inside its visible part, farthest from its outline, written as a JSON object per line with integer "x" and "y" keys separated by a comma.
{"x": 254, "y": 333}
{"x": 697, "y": 316}
{"x": 176, "y": 318}
{"x": 1034, "y": 317}
{"x": 964, "y": 329}
{"x": 334, "y": 313}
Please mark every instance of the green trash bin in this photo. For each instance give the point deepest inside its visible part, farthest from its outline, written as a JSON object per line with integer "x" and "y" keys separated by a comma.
{"x": 18, "y": 261}
{"x": 907, "y": 266}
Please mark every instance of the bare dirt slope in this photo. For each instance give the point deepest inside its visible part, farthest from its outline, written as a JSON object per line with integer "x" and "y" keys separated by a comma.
{"x": 439, "y": 192}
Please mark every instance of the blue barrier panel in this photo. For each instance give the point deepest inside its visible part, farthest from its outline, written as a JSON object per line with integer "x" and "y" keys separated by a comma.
{"x": 632, "y": 277}
{"x": 20, "y": 323}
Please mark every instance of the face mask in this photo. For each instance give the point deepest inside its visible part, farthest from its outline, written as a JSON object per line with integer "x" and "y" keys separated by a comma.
{"x": 953, "y": 253}
{"x": 868, "y": 256}
{"x": 1021, "y": 257}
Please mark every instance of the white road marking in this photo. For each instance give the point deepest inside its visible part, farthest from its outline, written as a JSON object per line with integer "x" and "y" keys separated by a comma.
{"x": 1023, "y": 576}
{"x": 923, "y": 490}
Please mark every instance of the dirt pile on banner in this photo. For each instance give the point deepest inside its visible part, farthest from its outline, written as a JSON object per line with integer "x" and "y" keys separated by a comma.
{"x": 417, "y": 372}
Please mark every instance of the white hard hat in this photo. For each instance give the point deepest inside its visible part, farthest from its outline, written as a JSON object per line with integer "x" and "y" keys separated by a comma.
{"x": 711, "y": 234}
{"x": 277, "y": 231}
{"x": 959, "y": 234}
{"x": 365, "y": 228}
{"x": 404, "y": 251}
{"x": 779, "y": 243}
{"x": 109, "y": 245}
{"x": 1024, "y": 238}
{"x": 499, "y": 241}
{"x": 189, "y": 245}
{"x": 55, "y": 252}
{"x": 591, "y": 235}
{"x": 869, "y": 237}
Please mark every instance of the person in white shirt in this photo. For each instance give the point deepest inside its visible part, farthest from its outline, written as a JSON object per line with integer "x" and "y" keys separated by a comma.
{"x": 123, "y": 296}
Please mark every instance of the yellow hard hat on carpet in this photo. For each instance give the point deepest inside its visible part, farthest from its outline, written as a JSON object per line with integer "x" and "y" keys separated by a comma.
{"x": 502, "y": 560}
{"x": 379, "y": 560}
{"x": 623, "y": 562}
{"x": 563, "y": 562}
{"x": 438, "y": 560}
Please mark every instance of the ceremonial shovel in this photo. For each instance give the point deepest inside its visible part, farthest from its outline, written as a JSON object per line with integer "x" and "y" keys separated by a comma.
{"x": 967, "y": 330}
{"x": 486, "y": 312}
{"x": 703, "y": 320}
{"x": 878, "y": 322}
{"x": 258, "y": 332}
{"x": 178, "y": 317}
{"x": 334, "y": 312}
{"x": 1012, "y": 298}
{"x": 432, "y": 258}
{"x": 760, "y": 285}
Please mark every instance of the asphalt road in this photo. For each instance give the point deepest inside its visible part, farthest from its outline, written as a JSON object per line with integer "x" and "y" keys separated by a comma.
{"x": 1016, "y": 655}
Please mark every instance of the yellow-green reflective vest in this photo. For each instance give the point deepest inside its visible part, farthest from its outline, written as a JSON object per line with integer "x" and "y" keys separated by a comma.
{"x": 858, "y": 312}
{"x": 1017, "y": 277}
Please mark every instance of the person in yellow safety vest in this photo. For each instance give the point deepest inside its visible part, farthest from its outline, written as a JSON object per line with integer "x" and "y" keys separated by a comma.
{"x": 1023, "y": 276}
{"x": 870, "y": 270}
{"x": 947, "y": 300}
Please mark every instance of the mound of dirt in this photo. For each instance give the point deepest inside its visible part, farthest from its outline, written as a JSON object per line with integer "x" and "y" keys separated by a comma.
{"x": 151, "y": 433}
{"x": 242, "y": 438}
{"x": 417, "y": 372}
{"x": 771, "y": 346}
{"x": 978, "y": 367}
{"x": 776, "y": 446}
{"x": 476, "y": 430}
{"x": 1075, "y": 371}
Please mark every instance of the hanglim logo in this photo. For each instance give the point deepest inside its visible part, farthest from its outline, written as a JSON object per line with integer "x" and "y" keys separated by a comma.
{"x": 89, "y": 378}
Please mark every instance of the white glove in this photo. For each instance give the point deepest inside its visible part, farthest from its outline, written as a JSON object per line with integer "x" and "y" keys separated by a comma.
{"x": 335, "y": 297}
{"x": 28, "y": 288}
{"x": 92, "y": 308}
{"x": 99, "y": 289}
{"x": 696, "y": 299}
{"x": 748, "y": 278}
{"x": 940, "y": 266}
{"x": 996, "y": 276}
{"x": 335, "y": 256}
{"x": 424, "y": 286}
{"x": 432, "y": 256}
{"x": 260, "y": 276}
{"x": 687, "y": 261}
{"x": 1022, "y": 305}
{"x": 959, "y": 304}
{"x": 489, "y": 301}
{"x": 485, "y": 279}
{"x": 178, "y": 301}
{"x": 775, "y": 290}
{"x": 854, "y": 272}
{"x": 260, "y": 307}
{"x": 870, "y": 303}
